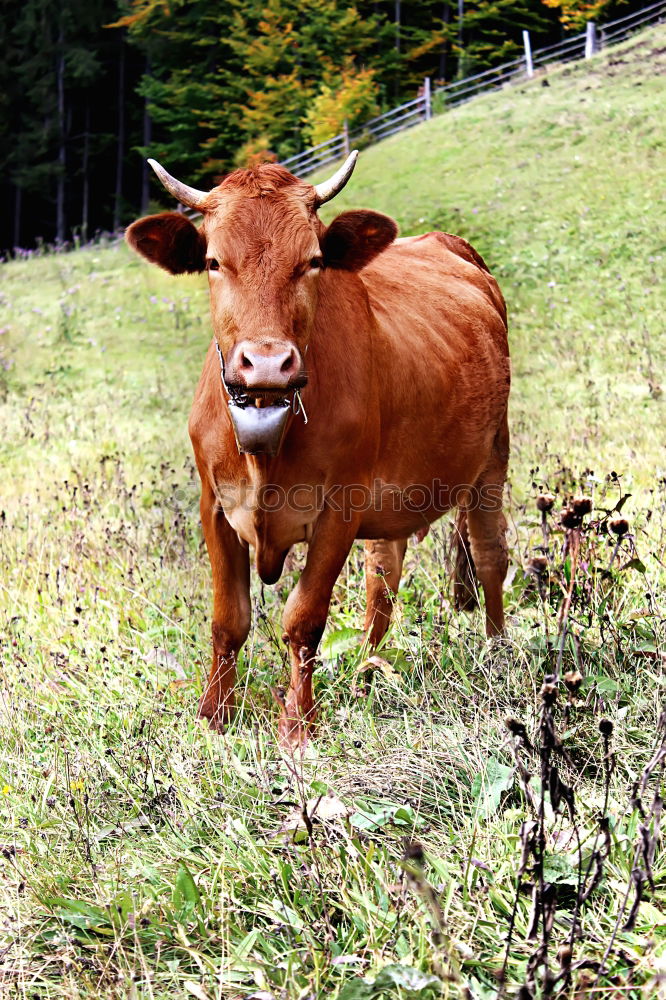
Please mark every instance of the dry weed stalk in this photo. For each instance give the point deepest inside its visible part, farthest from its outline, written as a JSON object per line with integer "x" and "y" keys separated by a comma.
{"x": 541, "y": 976}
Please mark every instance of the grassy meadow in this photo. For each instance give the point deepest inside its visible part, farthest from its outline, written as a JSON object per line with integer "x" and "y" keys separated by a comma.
{"x": 143, "y": 856}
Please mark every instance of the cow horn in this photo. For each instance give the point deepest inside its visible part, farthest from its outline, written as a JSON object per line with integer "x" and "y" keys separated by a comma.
{"x": 188, "y": 196}
{"x": 328, "y": 189}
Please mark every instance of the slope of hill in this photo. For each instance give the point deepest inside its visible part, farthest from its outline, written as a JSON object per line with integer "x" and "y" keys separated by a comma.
{"x": 146, "y": 857}
{"x": 558, "y": 183}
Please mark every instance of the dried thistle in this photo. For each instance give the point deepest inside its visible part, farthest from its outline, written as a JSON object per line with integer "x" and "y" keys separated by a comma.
{"x": 538, "y": 565}
{"x": 545, "y": 502}
{"x": 516, "y": 728}
{"x": 549, "y": 694}
{"x": 581, "y": 505}
{"x": 564, "y": 957}
{"x": 619, "y": 526}
{"x": 569, "y": 518}
{"x": 606, "y": 728}
{"x": 413, "y": 851}
{"x": 572, "y": 681}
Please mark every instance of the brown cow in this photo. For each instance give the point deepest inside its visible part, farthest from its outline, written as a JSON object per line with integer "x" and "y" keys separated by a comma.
{"x": 356, "y": 387}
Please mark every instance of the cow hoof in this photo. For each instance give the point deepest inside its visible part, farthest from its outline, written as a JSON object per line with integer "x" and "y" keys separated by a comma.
{"x": 293, "y": 736}
{"x": 218, "y": 718}
{"x": 294, "y": 730}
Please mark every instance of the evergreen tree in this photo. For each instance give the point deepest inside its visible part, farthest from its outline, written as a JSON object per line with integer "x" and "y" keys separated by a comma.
{"x": 52, "y": 61}
{"x": 289, "y": 49}
{"x": 193, "y": 90}
{"x": 492, "y": 32}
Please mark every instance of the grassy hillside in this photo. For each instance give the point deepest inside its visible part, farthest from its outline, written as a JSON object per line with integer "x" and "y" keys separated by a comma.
{"x": 143, "y": 856}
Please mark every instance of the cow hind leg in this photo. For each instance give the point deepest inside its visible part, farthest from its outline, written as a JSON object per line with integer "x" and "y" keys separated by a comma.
{"x": 465, "y": 593}
{"x": 487, "y": 533}
{"x": 383, "y": 567}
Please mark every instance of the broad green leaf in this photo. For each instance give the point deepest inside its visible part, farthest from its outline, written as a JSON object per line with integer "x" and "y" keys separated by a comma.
{"x": 78, "y": 913}
{"x": 489, "y": 786}
{"x": 413, "y": 981}
{"x": 393, "y": 980}
{"x": 607, "y": 686}
{"x": 378, "y": 815}
{"x": 185, "y": 892}
{"x": 357, "y": 989}
{"x": 367, "y": 819}
{"x": 559, "y": 870}
{"x": 636, "y": 564}
{"x": 341, "y": 641}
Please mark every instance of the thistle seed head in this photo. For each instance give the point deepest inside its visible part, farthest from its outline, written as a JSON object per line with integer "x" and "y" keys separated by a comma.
{"x": 619, "y": 526}
{"x": 516, "y": 728}
{"x": 549, "y": 693}
{"x": 538, "y": 565}
{"x": 581, "y": 505}
{"x": 564, "y": 956}
{"x": 414, "y": 852}
{"x": 573, "y": 680}
{"x": 545, "y": 502}
{"x": 569, "y": 518}
{"x": 606, "y": 728}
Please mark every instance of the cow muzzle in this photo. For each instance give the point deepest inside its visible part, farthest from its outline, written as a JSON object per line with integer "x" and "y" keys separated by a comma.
{"x": 264, "y": 372}
{"x": 259, "y": 381}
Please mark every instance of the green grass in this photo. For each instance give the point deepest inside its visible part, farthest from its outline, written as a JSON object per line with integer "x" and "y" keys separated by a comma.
{"x": 143, "y": 856}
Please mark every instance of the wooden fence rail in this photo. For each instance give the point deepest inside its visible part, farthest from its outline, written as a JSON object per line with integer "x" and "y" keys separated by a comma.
{"x": 435, "y": 100}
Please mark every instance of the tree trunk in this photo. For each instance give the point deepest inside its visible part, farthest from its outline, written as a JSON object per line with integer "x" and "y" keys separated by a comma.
{"x": 18, "y": 199}
{"x": 120, "y": 148}
{"x": 461, "y": 68}
{"x": 398, "y": 9}
{"x": 62, "y": 155}
{"x": 446, "y": 18}
{"x": 147, "y": 139}
{"x": 86, "y": 179}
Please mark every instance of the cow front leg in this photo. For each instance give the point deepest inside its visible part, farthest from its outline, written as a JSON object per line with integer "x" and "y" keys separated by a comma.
{"x": 230, "y": 565}
{"x": 383, "y": 567}
{"x": 305, "y": 617}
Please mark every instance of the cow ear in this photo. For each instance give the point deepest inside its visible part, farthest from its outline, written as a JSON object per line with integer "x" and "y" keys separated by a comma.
{"x": 355, "y": 238}
{"x": 169, "y": 240}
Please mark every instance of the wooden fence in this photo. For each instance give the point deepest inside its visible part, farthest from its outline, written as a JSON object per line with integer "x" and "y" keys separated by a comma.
{"x": 435, "y": 100}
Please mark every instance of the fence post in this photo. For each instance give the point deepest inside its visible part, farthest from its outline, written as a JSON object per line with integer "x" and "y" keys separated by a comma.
{"x": 345, "y": 137}
{"x": 529, "y": 68}
{"x": 426, "y": 99}
{"x": 590, "y": 39}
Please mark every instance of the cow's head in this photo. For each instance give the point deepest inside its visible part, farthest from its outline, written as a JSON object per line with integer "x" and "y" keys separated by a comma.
{"x": 264, "y": 248}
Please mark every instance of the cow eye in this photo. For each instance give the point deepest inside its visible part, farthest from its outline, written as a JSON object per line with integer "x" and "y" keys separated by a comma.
{"x": 316, "y": 263}
{"x": 212, "y": 264}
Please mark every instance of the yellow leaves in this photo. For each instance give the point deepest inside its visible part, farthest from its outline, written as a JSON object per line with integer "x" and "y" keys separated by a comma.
{"x": 143, "y": 9}
{"x": 350, "y": 97}
{"x": 575, "y": 13}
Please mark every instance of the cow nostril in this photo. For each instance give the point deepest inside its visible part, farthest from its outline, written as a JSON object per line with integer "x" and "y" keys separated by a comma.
{"x": 245, "y": 362}
{"x": 288, "y": 363}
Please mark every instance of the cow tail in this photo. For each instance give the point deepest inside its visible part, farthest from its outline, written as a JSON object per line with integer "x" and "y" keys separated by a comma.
{"x": 465, "y": 593}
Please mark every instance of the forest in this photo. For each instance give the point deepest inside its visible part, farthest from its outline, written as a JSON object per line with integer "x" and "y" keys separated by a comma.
{"x": 90, "y": 88}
